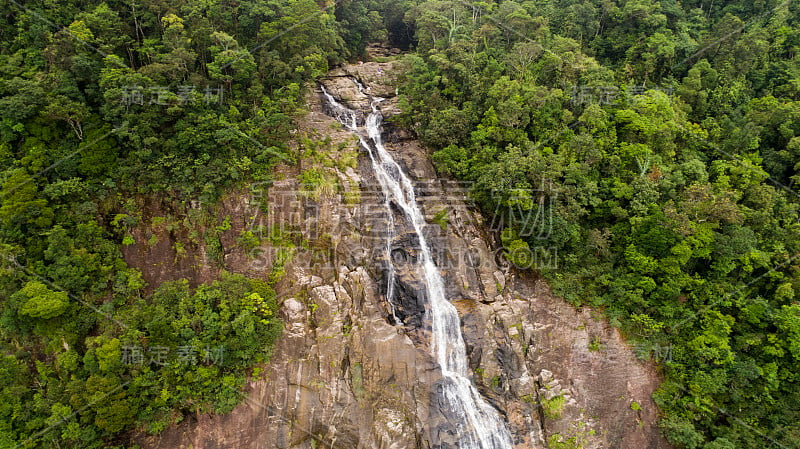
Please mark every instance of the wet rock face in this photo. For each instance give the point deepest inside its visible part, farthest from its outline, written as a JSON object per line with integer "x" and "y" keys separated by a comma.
{"x": 409, "y": 300}
{"x": 409, "y": 289}
{"x": 345, "y": 375}
{"x": 444, "y": 433}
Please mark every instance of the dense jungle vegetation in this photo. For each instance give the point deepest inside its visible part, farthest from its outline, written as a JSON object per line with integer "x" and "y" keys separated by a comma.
{"x": 102, "y": 103}
{"x": 654, "y": 147}
{"x": 656, "y": 143}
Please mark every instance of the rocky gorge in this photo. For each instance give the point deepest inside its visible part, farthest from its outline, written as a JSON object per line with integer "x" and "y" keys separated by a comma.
{"x": 354, "y": 369}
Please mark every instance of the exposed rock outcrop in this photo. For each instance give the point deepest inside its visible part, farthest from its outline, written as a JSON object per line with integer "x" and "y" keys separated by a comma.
{"x": 346, "y": 375}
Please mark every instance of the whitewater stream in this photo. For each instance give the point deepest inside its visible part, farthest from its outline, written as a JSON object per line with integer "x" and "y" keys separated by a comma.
{"x": 477, "y": 424}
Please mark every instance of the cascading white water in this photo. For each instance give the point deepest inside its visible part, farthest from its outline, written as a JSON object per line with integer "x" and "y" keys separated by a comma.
{"x": 477, "y": 424}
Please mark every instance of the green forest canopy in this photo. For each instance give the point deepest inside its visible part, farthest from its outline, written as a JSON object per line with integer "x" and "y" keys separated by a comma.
{"x": 660, "y": 141}
{"x": 663, "y": 139}
{"x": 102, "y": 104}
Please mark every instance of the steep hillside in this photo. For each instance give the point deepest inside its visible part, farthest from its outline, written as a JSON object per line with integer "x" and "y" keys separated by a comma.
{"x": 344, "y": 375}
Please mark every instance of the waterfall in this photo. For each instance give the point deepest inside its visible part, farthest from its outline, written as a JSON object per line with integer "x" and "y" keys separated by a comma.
{"x": 478, "y": 425}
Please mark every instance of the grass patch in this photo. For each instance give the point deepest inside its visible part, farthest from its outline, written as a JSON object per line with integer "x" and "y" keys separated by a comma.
{"x": 553, "y": 407}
